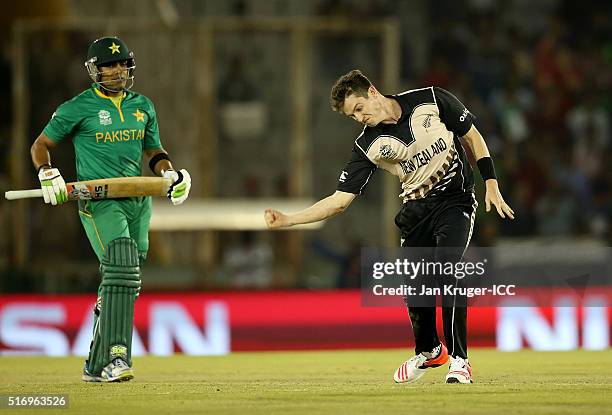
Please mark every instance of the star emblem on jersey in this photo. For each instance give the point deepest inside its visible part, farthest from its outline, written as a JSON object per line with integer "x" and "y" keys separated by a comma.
{"x": 114, "y": 48}
{"x": 139, "y": 115}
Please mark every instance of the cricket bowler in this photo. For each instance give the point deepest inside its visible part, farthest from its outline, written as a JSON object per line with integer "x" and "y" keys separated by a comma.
{"x": 112, "y": 128}
{"x": 417, "y": 136}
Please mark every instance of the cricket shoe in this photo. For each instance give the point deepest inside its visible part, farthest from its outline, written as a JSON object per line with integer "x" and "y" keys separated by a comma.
{"x": 412, "y": 369}
{"x": 117, "y": 371}
{"x": 90, "y": 377}
{"x": 459, "y": 371}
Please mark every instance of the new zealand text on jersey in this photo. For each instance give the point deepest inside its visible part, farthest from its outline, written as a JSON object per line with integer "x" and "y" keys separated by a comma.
{"x": 423, "y": 157}
{"x": 119, "y": 135}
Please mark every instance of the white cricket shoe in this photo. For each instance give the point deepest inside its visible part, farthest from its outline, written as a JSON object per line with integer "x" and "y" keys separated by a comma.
{"x": 412, "y": 369}
{"x": 459, "y": 371}
{"x": 90, "y": 377}
{"x": 117, "y": 371}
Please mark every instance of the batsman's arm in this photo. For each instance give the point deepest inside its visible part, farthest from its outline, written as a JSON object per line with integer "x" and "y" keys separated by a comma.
{"x": 323, "y": 209}
{"x": 40, "y": 151}
{"x": 485, "y": 164}
{"x": 51, "y": 181}
{"x": 158, "y": 164}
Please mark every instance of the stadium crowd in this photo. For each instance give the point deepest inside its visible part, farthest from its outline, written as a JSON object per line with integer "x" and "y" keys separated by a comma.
{"x": 538, "y": 76}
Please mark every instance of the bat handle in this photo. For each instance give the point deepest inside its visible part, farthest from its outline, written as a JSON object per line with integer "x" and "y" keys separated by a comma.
{"x": 22, "y": 194}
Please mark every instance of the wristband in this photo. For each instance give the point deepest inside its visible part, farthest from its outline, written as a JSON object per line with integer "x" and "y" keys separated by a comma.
{"x": 43, "y": 165}
{"x": 486, "y": 168}
{"x": 156, "y": 159}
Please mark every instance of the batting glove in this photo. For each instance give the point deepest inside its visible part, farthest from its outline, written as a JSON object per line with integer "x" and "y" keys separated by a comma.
{"x": 53, "y": 186}
{"x": 181, "y": 184}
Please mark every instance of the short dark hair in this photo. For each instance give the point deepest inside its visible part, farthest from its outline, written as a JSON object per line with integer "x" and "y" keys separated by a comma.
{"x": 353, "y": 82}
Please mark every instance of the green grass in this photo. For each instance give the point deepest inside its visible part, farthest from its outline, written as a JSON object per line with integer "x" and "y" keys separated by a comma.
{"x": 335, "y": 382}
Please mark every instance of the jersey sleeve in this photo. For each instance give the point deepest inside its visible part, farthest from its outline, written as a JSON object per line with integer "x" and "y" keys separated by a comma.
{"x": 453, "y": 113}
{"x": 62, "y": 123}
{"x": 356, "y": 173}
{"x": 152, "y": 140}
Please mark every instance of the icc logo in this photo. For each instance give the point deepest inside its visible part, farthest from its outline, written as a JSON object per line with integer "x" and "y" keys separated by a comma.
{"x": 105, "y": 118}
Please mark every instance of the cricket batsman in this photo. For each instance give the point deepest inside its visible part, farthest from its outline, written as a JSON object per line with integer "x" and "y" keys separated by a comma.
{"x": 112, "y": 128}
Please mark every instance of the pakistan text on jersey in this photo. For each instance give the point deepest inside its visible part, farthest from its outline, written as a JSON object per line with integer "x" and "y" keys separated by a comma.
{"x": 119, "y": 135}
{"x": 422, "y": 158}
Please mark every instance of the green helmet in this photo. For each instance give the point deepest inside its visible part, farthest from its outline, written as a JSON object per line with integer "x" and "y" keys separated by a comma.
{"x": 108, "y": 50}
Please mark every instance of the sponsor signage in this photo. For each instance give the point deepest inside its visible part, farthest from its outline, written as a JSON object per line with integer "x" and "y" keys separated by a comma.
{"x": 219, "y": 323}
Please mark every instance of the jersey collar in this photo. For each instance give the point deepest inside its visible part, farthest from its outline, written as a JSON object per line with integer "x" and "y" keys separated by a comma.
{"x": 103, "y": 95}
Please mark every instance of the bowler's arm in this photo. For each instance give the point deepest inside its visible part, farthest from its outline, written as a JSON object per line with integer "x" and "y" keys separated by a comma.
{"x": 477, "y": 143}
{"x": 323, "y": 209}
{"x": 493, "y": 195}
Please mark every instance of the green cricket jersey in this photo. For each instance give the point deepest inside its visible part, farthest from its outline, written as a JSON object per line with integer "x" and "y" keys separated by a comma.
{"x": 108, "y": 134}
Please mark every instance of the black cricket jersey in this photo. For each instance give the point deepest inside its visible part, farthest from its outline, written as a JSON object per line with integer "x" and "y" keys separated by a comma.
{"x": 422, "y": 148}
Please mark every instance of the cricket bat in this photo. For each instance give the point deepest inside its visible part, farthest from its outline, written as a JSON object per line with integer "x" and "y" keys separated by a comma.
{"x": 104, "y": 189}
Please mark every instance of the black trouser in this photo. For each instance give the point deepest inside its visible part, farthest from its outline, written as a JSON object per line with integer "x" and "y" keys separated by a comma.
{"x": 441, "y": 223}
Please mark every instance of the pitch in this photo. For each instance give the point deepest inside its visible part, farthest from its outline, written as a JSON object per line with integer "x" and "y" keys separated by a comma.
{"x": 330, "y": 382}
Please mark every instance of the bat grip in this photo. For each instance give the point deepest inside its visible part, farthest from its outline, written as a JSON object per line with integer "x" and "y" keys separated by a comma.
{"x": 22, "y": 194}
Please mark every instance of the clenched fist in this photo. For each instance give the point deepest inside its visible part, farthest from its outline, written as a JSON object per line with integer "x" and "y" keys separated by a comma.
{"x": 53, "y": 186}
{"x": 276, "y": 219}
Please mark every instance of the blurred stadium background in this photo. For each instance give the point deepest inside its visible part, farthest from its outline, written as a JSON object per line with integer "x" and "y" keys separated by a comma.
{"x": 241, "y": 90}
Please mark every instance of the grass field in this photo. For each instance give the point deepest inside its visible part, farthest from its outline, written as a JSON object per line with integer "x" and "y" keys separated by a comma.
{"x": 335, "y": 382}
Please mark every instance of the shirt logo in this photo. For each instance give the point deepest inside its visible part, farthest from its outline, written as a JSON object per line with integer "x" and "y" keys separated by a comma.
{"x": 387, "y": 152}
{"x": 139, "y": 115}
{"x": 464, "y": 115}
{"x": 343, "y": 176}
{"x": 427, "y": 122}
{"x": 105, "y": 118}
